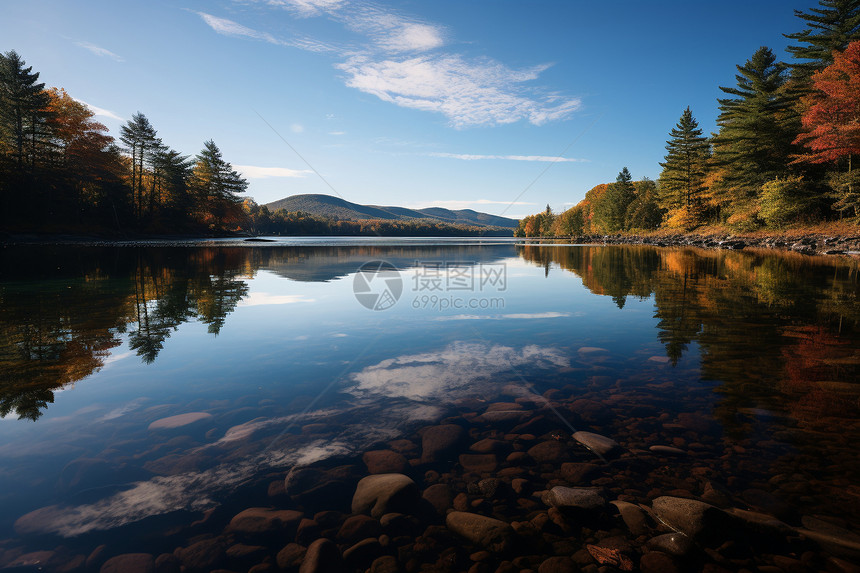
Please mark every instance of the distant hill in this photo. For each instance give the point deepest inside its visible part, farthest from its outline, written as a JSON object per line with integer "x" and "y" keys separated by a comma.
{"x": 337, "y": 208}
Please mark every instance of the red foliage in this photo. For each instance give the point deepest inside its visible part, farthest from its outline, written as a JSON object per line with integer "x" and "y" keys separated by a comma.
{"x": 832, "y": 117}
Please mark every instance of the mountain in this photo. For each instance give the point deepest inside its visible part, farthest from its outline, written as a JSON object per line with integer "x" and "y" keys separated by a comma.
{"x": 337, "y": 208}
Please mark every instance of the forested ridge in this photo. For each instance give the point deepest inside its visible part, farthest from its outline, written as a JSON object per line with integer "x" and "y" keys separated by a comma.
{"x": 784, "y": 153}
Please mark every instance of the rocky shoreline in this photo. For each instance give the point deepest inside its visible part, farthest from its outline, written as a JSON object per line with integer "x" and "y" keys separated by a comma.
{"x": 804, "y": 243}
{"x": 505, "y": 487}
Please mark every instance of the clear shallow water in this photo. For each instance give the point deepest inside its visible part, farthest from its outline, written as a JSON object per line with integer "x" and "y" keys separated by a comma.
{"x": 748, "y": 361}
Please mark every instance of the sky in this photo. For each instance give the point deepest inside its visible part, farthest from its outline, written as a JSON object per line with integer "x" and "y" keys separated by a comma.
{"x": 493, "y": 105}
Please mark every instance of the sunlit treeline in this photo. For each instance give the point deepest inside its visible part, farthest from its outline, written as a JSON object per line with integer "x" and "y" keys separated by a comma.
{"x": 784, "y": 153}
{"x": 61, "y": 171}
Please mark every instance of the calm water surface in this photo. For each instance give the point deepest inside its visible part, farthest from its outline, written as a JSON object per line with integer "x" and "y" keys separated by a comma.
{"x": 746, "y": 361}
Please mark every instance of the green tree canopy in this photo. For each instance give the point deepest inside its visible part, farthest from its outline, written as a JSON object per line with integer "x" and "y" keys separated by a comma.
{"x": 683, "y": 174}
{"x": 829, "y": 28}
{"x": 757, "y": 126}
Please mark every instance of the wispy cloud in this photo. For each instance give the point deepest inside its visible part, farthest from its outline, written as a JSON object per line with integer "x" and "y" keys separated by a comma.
{"x": 403, "y": 63}
{"x": 256, "y": 172}
{"x": 100, "y": 111}
{"x": 227, "y": 27}
{"x": 545, "y": 158}
{"x": 99, "y": 51}
{"x": 337, "y": 133}
{"x": 307, "y": 8}
{"x": 468, "y": 93}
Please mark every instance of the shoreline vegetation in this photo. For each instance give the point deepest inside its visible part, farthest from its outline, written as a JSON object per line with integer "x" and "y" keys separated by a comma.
{"x": 784, "y": 154}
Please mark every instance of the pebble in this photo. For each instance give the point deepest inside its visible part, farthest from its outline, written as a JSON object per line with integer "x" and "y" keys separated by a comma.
{"x": 384, "y": 462}
{"x": 701, "y": 521}
{"x": 265, "y": 522}
{"x": 668, "y": 450}
{"x": 323, "y": 556}
{"x": 601, "y": 445}
{"x": 384, "y": 493}
{"x": 491, "y": 534}
{"x": 129, "y": 563}
{"x": 437, "y": 442}
{"x": 568, "y": 497}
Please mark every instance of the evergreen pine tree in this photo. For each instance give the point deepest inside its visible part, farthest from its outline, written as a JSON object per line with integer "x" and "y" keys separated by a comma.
{"x": 140, "y": 139}
{"x": 611, "y": 210}
{"x": 23, "y": 108}
{"x": 757, "y": 127}
{"x": 684, "y": 168}
{"x": 216, "y": 185}
{"x": 831, "y": 27}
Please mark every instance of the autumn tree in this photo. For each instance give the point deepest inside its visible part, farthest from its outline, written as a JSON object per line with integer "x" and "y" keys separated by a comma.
{"x": 832, "y": 123}
{"x": 216, "y": 186}
{"x": 682, "y": 178}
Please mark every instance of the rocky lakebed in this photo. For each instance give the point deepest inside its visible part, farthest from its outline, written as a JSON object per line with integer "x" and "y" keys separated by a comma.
{"x": 567, "y": 480}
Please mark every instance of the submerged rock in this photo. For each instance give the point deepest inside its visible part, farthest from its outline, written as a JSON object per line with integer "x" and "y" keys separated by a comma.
{"x": 385, "y": 493}
{"x": 672, "y": 543}
{"x": 439, "y": 441}
{"x": 264, "y": 522}
{"x": 323, "y": 556}
{"x": 492, "y": 534}
{"x": 573, "y": 497}
{"x": 129, "y": 563}
{"x": 633, "y": 516}
{"x": 696, "y": 519}
{"x": 600, "y": 445}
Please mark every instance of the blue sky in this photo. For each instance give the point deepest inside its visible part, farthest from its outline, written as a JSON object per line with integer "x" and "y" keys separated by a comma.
{"x": 494, "y": 105}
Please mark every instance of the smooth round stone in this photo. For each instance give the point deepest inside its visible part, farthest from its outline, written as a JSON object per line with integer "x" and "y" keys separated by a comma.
{"x": 657, "y": 562}
{"x": 263, "y": 521}
{"x": 384, "y": 462}
{"x": 178, "y": 421}
{"x": 558, "y": 564}
{"x": 492, "y": 534}
{"x": 129, "y": 563}
{"x": 550, "y": 451}
{"x": 633, "y": 517}
{"x": 696, "y": 519}
{"x": 598, "y": 444}
{"x": 323, "y": 556}
{"x": 566, "y": 497}
{"x": 672, "y": 543}
{"x": 479, "y": 462}
{"x": 438, "y": 441}
{"x": 667, "y": 451}
{"x": 385, "y": 493}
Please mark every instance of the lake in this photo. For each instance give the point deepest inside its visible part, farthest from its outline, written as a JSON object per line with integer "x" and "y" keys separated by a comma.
{"x": 153, "y": 395}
